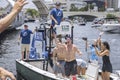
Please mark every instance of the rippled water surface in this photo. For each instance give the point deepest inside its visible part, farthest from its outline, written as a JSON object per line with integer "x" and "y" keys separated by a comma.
{"x": 10, "y": 50}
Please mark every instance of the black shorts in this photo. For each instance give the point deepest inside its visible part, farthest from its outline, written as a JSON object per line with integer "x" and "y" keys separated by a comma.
{"x": 71, "y": 68}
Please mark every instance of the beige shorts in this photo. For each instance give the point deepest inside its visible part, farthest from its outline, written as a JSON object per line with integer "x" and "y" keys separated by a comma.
{"x": 25, "y": 46}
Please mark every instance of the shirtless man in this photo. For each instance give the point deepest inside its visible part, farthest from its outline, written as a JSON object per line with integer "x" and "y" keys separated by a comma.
{"x": 70, "y": 59}
{"x": 59, "y": 58}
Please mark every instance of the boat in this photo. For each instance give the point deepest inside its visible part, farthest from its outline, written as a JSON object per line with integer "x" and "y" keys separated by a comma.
{"x": 82, "y": 21}
{"x": 79, "y": 20}
{"x": 35, "y": 70}
{"x": 97, "y": 22}
{"x": 110, "y": 25}
{"x": 39, "y": 68}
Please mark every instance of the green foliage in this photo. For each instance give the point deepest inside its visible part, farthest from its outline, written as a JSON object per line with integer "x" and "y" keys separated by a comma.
{"x": 32, "y": 12}
{"x": 91, "y": 6}
{"x": 110, "y": 16}
{"x": 51, "y": 7}
{"x": 73, "y": 8}
{"x": 102, "y": 8}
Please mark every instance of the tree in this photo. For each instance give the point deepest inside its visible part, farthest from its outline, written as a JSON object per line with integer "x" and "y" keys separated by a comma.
{"x": 110, "y": 16}
{"x": 84, "y": 8}
{"x": 102, "y": 8}
{"x": 73, "y": 8}
{"x": 32, "y": 12}
{"x": 91, "y": 6}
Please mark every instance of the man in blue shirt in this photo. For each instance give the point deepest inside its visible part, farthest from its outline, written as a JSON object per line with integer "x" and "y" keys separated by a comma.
{"x": 56, "y": 15}
{"x": 25, "y": 41}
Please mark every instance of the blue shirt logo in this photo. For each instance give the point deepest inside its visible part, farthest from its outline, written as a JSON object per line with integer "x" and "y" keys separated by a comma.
{"x": 25, "y": 34}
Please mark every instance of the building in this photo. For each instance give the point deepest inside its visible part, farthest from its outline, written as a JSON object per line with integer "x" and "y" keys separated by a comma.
{"x": 66, "y": 4}
{"x": 100, "y": 4}
{"x": 63, "y": 4}
{"x": 112, "y": 4}
{"x": 77, "y": 3}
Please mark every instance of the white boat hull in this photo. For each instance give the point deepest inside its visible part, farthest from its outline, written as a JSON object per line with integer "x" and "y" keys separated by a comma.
{"x": 110, "y": 27}
{"x": 96, "y": 25}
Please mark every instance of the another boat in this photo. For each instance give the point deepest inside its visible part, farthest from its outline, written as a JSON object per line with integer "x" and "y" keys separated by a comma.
{"x": 107, "y": 24}
{"x": 82, "y": 21}
{"x": 97, "y": 22}
{"x": 79, "y": 20}
{"x": 110, "y": 25}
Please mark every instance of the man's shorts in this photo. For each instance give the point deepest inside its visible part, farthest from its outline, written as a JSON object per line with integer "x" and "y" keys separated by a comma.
{"x": 25, "y": 47}
{"x": 71, "y": 68}
{"x": 59, "y": 69}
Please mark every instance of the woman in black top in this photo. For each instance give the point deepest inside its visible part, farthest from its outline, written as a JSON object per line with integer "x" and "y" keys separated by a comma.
{"x": 104, "y": 53}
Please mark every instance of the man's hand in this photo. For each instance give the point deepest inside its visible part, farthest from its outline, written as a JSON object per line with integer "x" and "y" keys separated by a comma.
{"x": 19, "y": 5}
{"x": 4, "y": 74}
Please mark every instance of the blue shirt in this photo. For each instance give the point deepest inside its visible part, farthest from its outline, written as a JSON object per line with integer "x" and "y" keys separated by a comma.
{"x": 25, "y": 34}
{"x": 93, "y": 55}
{"x": 57, "y": 14}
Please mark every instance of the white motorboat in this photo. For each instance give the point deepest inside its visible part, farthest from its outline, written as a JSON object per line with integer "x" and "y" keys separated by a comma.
{"x": 97, "y": 22}
{"x": 110, "y": 25}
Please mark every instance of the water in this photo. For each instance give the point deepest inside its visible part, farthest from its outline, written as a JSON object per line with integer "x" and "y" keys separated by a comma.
{"x": 10, "y": 50}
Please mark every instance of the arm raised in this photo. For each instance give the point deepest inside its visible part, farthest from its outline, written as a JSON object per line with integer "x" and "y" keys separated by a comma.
{"x": 6, "y": 21}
